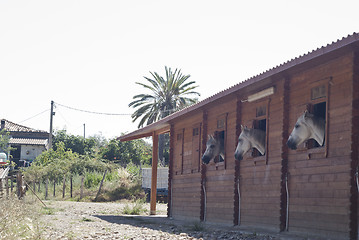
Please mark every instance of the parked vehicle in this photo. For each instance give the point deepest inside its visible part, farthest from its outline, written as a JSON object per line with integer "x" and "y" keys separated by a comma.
{"x": 3, "y": 159}
{"x": 162, "y": 183}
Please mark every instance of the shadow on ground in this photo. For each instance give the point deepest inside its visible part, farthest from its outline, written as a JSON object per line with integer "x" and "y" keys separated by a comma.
{"x": 190, "y": 229}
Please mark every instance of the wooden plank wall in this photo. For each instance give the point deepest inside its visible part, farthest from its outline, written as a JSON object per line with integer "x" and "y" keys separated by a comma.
{"x": 354, "y": 208}
{"x": 186, "y": 175}
{"x": 260, "y": 180}
{"x": 320, "y": 181}
{"x": 219, "y": 177}
{"x": 318, "y": 185}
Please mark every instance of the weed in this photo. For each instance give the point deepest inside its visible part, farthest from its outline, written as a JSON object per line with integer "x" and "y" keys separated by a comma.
{"x": 70, "y": 235}
{"x": 197, "y": 227}
{"x": 136, "y": 208}
{"x": 48, "y": 211}
{"x": 86, "y": 220}
{"x": 19, "y": 219}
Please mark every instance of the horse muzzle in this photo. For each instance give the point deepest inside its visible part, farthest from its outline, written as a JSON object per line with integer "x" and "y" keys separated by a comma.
{"x": 291, "y": 144}
{"x": 238, "y": 156}
{"x": 206, "y": 159}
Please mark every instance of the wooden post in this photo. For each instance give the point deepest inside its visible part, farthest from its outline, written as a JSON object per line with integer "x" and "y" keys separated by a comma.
{"x": 71, "y": 186}
{"x": 54, "y": 186}
{"x": 154, "y": 173}
{"x": 63, "y": 187}
{"x": 12, "y": 182}
{"x": 1, "y": 188}
{"x": 82, "y": 187}
{"x": 46, "y": 187}
{"x": 7, "y": 185}
{"x": 99, "y": 189}
{"x": 19, "y": 184}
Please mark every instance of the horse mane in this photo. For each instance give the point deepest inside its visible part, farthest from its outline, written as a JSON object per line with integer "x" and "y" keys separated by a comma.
{"x": 318, "y": 123}
{"x": 258, "y": 136}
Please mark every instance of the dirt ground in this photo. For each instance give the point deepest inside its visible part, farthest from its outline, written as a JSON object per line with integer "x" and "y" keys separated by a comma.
{"x": 87, "y": 220}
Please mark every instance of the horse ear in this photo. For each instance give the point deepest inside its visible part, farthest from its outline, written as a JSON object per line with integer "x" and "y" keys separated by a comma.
{"x": 242, "y": 127}
{"x": 308, "y": 114}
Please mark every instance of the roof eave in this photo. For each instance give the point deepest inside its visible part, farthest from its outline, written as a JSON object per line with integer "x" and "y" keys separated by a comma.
{"x": 315, "y": 54}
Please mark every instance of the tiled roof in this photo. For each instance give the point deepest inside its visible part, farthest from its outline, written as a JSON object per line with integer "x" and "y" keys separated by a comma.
{"x": 13, "y": 127}
{"x": 28, "y": 141}
{"x": 164, "y": 123}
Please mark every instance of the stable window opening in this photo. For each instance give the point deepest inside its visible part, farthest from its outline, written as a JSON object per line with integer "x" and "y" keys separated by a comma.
{"x": 220, "y": 135}
{"x": 262, "y": 125}
{"x": 319, "y": 111}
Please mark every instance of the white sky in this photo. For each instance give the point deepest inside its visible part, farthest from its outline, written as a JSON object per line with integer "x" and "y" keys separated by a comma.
{"x": 89, "y": 54}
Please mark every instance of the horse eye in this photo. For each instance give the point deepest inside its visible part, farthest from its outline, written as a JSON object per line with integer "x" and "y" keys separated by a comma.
{"x": 212, "y": 146}
{"x": 297, "y": 126}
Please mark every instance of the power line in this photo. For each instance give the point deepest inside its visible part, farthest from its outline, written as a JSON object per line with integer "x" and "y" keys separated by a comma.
{"x": 92, "y": 112}
{"x": 35, "y": 116}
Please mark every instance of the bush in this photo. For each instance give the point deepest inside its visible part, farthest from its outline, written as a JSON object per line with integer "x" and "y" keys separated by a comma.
{"x": 92, "y": 179}
{"x": 136, "y": 209}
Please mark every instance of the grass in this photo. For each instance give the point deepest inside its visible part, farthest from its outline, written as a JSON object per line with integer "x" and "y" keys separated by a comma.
{"x": 135, "y": 208}
{"x": 84, "y": 219}
{"x": 197, "y": 227}
{"x": 48, "y": 211}
{"x": 117, "y": 185}
{"x": 19, "y": 219}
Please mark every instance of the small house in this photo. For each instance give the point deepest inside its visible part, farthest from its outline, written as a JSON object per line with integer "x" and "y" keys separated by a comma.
{"x": 28, "y": 143}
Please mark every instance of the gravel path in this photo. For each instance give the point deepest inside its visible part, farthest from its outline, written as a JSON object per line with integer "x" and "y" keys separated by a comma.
{"x": 83, "y": 220}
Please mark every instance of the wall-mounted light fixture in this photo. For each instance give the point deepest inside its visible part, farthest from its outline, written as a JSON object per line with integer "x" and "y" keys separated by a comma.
{"x": 261, "y": 94}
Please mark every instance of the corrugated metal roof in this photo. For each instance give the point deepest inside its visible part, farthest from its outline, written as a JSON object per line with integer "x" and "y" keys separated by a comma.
{"x": 164, "y": 123}
{"x": 28, "y": 141}
{"x": 13, "y": 127}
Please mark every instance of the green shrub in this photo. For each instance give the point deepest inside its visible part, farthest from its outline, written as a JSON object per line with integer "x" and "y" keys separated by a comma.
{"x": 136, "y": 208}
{"x": 92, "y": 179}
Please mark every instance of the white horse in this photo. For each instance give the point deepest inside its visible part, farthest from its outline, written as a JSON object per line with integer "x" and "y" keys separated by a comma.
{"x": 248, "y": 139}
{"x": 307, "y": 127}
{"x": 214, "y": 148}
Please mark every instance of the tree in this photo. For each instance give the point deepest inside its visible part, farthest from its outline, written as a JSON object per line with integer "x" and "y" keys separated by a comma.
{"x": 167, "y": 95}
{"x": 76, "y": 143}
{"x": 4, "y": 141}
{"x": 136, "y": 152}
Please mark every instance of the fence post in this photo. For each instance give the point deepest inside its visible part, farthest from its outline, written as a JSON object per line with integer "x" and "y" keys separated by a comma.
{"x": 12, "y": 182}
{"x": 99, "y": 190}
{"x": 63, "y": 187}
{"x": 19, "y": 184}
{"x": 71, "y": 186}
{"x": 54, "y": 186}
{"x": 46, "y": 187}
{"x": 1, "y": 188}
{"x": 82, "y": 187}
{"x": 7, "y": 186}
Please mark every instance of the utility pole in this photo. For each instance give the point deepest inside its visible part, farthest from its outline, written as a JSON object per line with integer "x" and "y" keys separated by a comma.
{"x": 51, "y": 116}
{"x": 84, "y": 132}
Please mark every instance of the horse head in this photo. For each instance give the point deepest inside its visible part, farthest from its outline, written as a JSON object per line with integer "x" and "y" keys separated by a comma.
{"x": 214, "y": 147}
{"x": 248, "y": 139}
{"x": 307, "y": 127}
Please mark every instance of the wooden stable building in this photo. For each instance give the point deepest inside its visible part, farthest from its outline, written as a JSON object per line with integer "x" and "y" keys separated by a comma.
{"x": 310, "y": 191}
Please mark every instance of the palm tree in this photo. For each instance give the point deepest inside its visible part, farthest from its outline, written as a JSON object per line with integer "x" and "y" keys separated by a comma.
{"x": 167, "y": 96}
